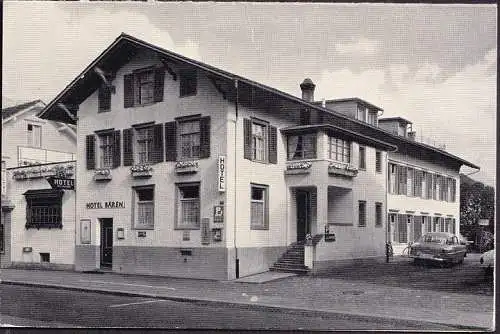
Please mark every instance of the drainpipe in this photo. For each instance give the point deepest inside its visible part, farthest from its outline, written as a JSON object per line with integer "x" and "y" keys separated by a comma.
{"x": 235, "y": 177}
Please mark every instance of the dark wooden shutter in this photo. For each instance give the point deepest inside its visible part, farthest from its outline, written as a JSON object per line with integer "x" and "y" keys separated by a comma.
{"x": 247, "y": 134}
{"x": 90, "y": 151}
{"x": 273, "y": 144}
{"x": 171, "y": 141}
{"x": 104, "y": 98}
{"x": 128, "y": 90}
{"x": 117, "y": 151}
{"x": 158, "y": 143}
{"x": 205, "y": 137}
{"x": 128, "y": 147}
{"x": 159, "y": 83}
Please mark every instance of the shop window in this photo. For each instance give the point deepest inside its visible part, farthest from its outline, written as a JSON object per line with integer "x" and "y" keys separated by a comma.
{"x": 144, "y": 207}
{"x": 188, "y": 206}
{"x": 362, "y": 157}
{"x": 259, "y": 207}
{"x": 34, "y": 135}
{"x": 43, "y": 208}
{"x": 188, "y": 83}
{"x": 302, "y": 147}
{"x": 340, "y": 150}
{"x": 260, "y": 141}
{"x": 362, "y": 213}
{"x": 378, "y": 214}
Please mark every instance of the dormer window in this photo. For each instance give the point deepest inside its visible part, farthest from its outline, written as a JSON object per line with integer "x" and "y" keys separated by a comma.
{"x": 372, "y": 118}
{"x": 361, "y": 114}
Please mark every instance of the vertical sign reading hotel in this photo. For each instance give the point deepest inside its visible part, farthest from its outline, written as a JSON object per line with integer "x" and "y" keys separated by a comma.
{"x": 221, "y": 173}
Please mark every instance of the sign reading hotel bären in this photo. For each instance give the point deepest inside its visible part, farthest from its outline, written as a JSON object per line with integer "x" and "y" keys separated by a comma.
{"x": 106, "y": 205}
{"x": 221, "y": 173}
{"x": 218, "y": 214}
{"x": 59, "y": 183}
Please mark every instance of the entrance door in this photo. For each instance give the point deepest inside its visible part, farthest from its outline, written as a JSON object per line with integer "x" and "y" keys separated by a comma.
{"x": 106, "y": 242}
{"x": 303, "y": 198}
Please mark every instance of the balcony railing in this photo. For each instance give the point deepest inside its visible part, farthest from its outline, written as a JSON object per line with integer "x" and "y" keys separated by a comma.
{"x": 27, "y": 156}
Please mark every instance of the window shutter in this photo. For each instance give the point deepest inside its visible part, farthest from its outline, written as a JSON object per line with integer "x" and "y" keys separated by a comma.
{"x": 158, "y": 143}
{"x": 159, "y": 84}
{"x": 128, "y": 147}
{"x": 128, "y": 90}
{"x": 247, "y": 134}
{"x": 117, "y": 156}
{"x": 90, "y": 151}
{"x": 205, "y": 137}
{"x": 104, "y": 98}
{"x": 273, "y": 145}
{"x": 171, "y": 141}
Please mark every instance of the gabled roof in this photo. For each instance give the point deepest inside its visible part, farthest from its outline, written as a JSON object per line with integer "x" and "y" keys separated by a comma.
{"x": 11, "y": 111}
{"x": 235, "y": 87}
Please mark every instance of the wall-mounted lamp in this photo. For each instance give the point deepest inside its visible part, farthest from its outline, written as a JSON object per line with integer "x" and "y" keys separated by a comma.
{"x": 120, "y": 233}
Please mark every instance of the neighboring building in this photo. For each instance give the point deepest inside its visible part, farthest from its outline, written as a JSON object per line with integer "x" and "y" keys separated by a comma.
{"x": 30, "y": 141}
{"x": 422, "y": 181}
{"x": 190, "y": 171}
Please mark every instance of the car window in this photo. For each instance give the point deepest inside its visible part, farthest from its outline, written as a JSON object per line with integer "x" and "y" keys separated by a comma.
{"x": 433, "y": 239}
{"x": 450, "y": 241}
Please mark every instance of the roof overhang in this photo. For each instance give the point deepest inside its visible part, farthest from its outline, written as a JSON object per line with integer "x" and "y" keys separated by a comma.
{"x": 64, "y": 106}
{"x": 339, "y": 132}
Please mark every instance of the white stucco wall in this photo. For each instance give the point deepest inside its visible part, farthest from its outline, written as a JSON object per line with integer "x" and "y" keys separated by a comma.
{"x": 60, "y": 243}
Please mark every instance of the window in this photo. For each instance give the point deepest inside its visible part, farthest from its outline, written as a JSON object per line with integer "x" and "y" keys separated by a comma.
{"x": 143, "y": 87}
{"x": 362, "y": 157}
{"x": 402, "y": 180}
{"x": 393, "y": 169}
{"x": 188, "y": 82}
{"x": 378, "y": 161}
{"x": 189, "y": 139}
{"x": 429, "y": 185}
{"x": 106, "y": 150}
{"x": 43, "y": 208}
{"x": 340, "y": 150}
{"x": 144, "y": 144}
{"x": 417, "y": 183}
{"x": 361, "y": 113}
{"x": 372, "y": 118}
{"x": 34, "y": 135}
{"x": 2, "y": 237}
{"x": 410, "y": 184}
{"x": 259, "y": 207}
{"x": 378, "y": 214}
{"x": 402, "y": 229}
{"x": 260, "y": 141}
{"x": 144, "y": 207}
{"x": 435, "y": 186}
{"x": 302, "y": 147}
{"x": 104, "y": 98}
{"x": 435, "y": 224}
{"x": 188, "y": 206}
{"x": 453, "y": 189}
{"x": 362, "y": 213}
{"x": 428, "y": 223}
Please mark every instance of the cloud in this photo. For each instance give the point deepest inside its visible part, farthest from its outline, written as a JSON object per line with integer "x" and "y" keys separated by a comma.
{"x": 362, "y": 46}
{"x": 458, "y": 111}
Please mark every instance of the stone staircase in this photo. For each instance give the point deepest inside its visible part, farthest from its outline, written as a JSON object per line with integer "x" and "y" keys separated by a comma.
{"x": 292, "y": 261}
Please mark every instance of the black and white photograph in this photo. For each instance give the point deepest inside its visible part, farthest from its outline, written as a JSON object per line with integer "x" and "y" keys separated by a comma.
{"x": 248, "y": 166}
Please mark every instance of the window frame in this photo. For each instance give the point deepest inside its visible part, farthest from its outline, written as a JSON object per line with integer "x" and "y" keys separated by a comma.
{"x": 265, "y": 206}
{"x": 149, "y": 140}
{"x": 181, "y": 136}
{"x": 264, "y": 138}
{"x": 179, "y": 200}
{"x": 185, "y": 75}
{"x": 362, "y": 214}
{"x": 300, "y": 139}
{"x": 138, "y": 85}
{"x": 135, "y": 207}
{"x": 32, "y": 135}
{"x": 378, "y": 161}
{"x": 362, "y": 157}
{"x": 379, "y": 214}
{"x": 47, "y": 203}
{"x": 342, "y": 144}
{"x": 110, "y": 146}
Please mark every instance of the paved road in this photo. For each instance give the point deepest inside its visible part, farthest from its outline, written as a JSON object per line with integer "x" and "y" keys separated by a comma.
{"x": 39, "y": 307}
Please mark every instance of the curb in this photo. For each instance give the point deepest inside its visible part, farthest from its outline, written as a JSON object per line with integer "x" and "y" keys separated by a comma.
{"x": 359, "y": 316}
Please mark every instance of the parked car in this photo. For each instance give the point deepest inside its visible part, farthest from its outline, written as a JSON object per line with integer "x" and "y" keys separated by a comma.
{"x": 464, "y": 241}
{"x": 440, "y": 247}
{"x": 487, "y": 261}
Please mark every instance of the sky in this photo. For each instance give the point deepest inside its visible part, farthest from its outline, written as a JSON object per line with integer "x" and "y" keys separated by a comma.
{"x": 434, "y": 65}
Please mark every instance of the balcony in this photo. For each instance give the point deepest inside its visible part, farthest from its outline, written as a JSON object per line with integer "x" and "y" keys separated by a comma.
{"x": 40, "y": 171}
{"x": 337, "y": 169}
{"x": 28, "y": 156}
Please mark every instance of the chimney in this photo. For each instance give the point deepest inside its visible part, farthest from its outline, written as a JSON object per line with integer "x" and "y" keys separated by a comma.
{"x": 307, "y": 87}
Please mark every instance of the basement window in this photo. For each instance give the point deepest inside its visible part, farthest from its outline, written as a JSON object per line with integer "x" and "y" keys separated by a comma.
{"x": 45, "y": 257}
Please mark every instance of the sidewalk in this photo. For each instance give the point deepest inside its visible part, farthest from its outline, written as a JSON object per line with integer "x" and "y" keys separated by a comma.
{"x": 300, "y": 292}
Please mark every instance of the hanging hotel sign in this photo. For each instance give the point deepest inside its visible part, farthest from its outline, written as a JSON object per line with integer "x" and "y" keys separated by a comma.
{"x": 106, "y": 205}
{"x": 60, "y": 183}
{"x": 221, "y": 173}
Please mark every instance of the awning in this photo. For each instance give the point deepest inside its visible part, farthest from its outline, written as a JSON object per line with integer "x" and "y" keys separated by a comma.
{"x": 44, "y": 193}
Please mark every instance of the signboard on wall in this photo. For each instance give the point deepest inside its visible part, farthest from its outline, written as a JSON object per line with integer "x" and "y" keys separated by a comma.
{"x": 85, "y": 233}
{"x": 221, "y": 173}
{"x": 484, "y": 222}
{"x": 60, "y": 183}
{"x": 218, "y": 214}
